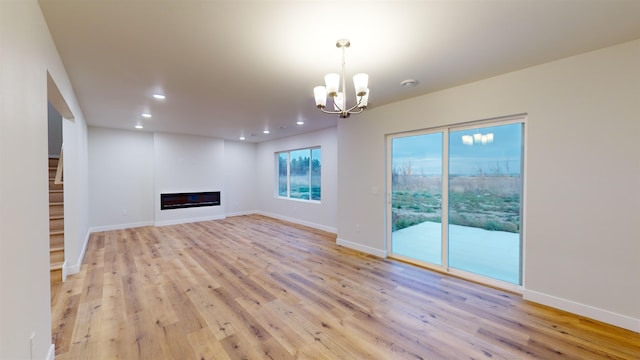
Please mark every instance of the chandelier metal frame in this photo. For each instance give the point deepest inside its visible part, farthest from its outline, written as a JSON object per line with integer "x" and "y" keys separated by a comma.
{"x": 339, "y": 95}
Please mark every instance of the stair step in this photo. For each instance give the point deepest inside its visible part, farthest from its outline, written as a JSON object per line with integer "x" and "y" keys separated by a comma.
{"x": 53, "y": 186}
{"x": 56, "y": 223}
{"x": 56, "y": 238}
{"x": 56, "y": 196}
{"x": 56, "y": 255}
{"x": 56, "y": 209}
{"x": 56, "y": 273}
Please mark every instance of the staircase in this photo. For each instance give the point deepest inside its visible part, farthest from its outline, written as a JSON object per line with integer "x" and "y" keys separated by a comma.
{"x": 56, "y": 221}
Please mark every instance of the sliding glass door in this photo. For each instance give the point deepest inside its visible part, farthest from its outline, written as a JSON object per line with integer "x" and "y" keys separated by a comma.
{"x": 416, "y": 196}
{"x": 485, "y": 192}
{"x": 456, "y": 199}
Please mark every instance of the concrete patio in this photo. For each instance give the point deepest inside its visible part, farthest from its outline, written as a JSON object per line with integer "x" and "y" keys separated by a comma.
{"x": 494, "y": 254}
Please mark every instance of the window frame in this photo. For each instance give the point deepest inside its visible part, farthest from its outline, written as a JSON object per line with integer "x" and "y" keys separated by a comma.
{"x": 277, "y": 189}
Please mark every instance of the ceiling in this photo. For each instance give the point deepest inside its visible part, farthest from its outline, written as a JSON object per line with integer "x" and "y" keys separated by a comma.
{"x": 235, "y": 68}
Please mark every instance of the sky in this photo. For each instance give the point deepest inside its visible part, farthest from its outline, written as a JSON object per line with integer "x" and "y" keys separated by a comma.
{"x": 424, "y": 152}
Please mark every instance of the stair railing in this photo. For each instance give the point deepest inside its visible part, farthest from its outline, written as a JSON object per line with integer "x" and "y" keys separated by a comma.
{"x": 58, "y": 178}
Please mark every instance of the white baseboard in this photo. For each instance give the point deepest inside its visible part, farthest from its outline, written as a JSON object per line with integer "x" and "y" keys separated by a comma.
{"x": 120, "y": 226}
{"x": 242, "y": 213}
{"x": 74, "y": 269}
{"x": 51, "y": 355}
{"x": 623, "y": 321}
{"x": 65, "y": 271}
{"x": 362, "y": 248}
{"x": 300, "y": 222}
{"x": 190, "y": 220}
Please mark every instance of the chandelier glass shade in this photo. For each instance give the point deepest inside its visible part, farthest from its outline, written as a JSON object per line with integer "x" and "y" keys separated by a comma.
{"x": 477, "y": 138}
{"x": 336, "y": 90}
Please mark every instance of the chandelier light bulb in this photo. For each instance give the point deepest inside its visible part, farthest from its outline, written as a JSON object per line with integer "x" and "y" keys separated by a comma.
{"x": 360, "y": 83}
{"x": 489, "y": 137}
{"x": 364, "y": 100}
{"x": 320, "y": 93}
{"x": 332, "y": 81}
{"x": 477, "y": 138}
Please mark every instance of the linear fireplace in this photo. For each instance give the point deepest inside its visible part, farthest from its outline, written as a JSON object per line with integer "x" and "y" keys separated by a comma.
{"x": 188, "y": 200}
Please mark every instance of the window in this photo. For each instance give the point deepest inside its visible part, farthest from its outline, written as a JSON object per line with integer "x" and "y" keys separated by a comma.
{"x": 299, "y": 174}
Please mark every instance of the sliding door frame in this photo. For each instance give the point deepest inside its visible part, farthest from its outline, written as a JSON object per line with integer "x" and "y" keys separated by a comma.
{"x": 444, "y": 268}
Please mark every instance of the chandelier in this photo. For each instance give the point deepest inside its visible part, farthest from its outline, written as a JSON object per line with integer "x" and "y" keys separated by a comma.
{"x": 477, "y": 138}
{"x": 333, "y": 90}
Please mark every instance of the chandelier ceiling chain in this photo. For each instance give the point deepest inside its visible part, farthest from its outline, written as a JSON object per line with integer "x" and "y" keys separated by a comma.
{"x": 338, "y": 95}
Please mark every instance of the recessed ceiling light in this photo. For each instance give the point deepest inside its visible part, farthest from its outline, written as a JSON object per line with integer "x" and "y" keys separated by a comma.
{"x": 265, "y": 131}
{"x": 409, "y": 83}
{"x": 145, "y": 115}
{"x": 242, "y": 137}
{"x": 159, "y": 96}
{"x": 300, "y": 122}
{"x": 139, "y": 126}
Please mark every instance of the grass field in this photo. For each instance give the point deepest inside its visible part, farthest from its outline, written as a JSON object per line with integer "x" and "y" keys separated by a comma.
{"x": 300, "y": 188}
{"x": 486, "y": 202}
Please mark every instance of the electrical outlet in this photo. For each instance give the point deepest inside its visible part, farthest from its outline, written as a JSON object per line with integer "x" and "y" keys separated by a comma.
{"x": 124, "y": 212}
{"x": 357, "y": 227}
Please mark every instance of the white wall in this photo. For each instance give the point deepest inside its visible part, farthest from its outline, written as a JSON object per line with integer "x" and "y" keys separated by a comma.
{"x": 322, "y": 215}
{"x": 55, "y": 130}
{"x": 121, "y": 177}
{"x": 76, "y": 193}
{"x": 129, "y": 170}
{"x": 185, "y": 163}
{"x": 240, "y": 191}
{"x": 27, "y": 52}
{"x": 582, "y": 174}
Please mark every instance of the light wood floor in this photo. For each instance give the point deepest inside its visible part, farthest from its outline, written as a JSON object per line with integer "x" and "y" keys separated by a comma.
{"x": 251, "y": 287}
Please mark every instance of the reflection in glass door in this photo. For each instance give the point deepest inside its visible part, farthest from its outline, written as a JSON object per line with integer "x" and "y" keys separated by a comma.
{"x": 476, "y": 175}
{"x": 485, "y": 188}
{"x": 416, "y": 197}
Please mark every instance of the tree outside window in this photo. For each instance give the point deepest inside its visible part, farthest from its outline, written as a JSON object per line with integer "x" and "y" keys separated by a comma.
{"x": 299, "y": 174}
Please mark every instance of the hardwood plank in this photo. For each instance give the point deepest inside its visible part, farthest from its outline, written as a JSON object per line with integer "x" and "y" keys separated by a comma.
{"x": 311, "y": 331}
{"x": 252, "y": 287}
{"x": 206, "y": 346}
{"x": 66, "y": 310}
{"x": 275, "y": 324}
